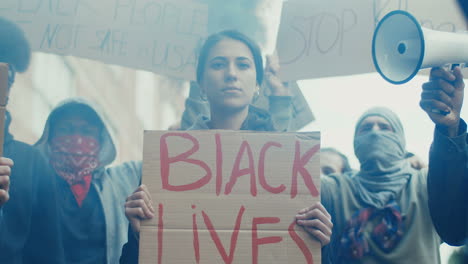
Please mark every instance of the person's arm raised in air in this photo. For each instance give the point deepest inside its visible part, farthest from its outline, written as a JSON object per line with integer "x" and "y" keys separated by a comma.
{"x": 280, "y": 98}
{"x": 442, "y": 99}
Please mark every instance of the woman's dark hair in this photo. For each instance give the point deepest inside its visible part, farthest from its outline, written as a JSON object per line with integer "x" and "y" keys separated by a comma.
{"x": 212, "y": 40}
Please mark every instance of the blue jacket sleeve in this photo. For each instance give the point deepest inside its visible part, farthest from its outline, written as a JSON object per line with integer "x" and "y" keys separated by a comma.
{"x": 447, "y": 184}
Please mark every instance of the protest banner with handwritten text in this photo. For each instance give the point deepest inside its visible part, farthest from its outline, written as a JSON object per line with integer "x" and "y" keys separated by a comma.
{"x": 325, "y": 38}
{"x": 229, "y": 196}
{"x": 316, "y": 38}
{"x": 162, "y": 36}
{"x": 333, "y": 38}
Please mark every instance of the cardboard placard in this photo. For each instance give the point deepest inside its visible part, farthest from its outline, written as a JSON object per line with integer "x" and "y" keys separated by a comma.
{"x": 316, "y": 38}
{"x": 161, "y": 36}
{"x": 325, "y": 38}
{"x": 229, "y": 196}
{"x": 333, "y": 38}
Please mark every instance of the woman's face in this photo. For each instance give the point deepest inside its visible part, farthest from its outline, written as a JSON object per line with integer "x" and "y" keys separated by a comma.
{"x": 229, "y": 77}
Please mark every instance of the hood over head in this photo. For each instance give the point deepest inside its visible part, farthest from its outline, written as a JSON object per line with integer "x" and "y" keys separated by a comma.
{"x": 107, "y": 152}
{"x": 384, "y": 171}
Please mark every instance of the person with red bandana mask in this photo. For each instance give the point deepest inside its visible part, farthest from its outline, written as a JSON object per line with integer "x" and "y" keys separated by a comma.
{"x": 78, "y": 146}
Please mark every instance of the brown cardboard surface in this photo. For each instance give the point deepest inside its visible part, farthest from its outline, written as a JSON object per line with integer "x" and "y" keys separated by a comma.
{"x": 236, "y": 214}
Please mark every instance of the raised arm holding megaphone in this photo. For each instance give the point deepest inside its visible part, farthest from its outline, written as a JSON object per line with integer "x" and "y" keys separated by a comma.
{"x": 400, "y": 48}
{"x": 448, "y": 172}
{"x": 448, "y": 159}
{"x": 444, "y": 94}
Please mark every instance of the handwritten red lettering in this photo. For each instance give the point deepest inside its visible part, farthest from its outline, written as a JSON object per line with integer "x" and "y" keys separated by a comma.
{"x": 184, "y": 157}
{"x": 300, "y": 243}
{"x": 196, "y": 241}
{"x": 264, "y": 240}
{"x": 261, "y": 169}
{"x": 226, "y": 258}
{"x": 236, "y": 172}
{"x": 298, "y": 167}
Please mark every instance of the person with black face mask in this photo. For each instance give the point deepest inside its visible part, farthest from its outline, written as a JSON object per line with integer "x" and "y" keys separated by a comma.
{"x": 380, "y": 213}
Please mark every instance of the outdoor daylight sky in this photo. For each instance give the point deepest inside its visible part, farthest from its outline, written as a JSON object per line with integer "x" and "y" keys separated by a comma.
{"x": 338, "y": 102}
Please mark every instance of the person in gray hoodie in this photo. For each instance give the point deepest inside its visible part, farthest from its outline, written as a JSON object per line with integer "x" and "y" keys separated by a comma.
{"x": 78, "y": 145}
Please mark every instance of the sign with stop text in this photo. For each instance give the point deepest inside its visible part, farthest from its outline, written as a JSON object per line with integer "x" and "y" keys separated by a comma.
{"x": 229, "y": 196}
{"x": 319, "y": 38}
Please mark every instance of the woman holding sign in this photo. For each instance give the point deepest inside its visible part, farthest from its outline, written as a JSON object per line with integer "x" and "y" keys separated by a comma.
{"x": 229, "y": 73}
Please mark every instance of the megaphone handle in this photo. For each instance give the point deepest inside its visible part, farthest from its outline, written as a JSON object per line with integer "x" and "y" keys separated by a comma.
{"x": 440, "y": 112}
{"x": 451, "y": 67}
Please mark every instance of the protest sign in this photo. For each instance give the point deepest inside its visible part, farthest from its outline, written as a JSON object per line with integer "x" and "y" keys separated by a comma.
{"x": 333, "y": 38}
{"x": 325, "y": 38}
{"x": 162, "y": 36}
{"x": 229, "y": 196}
{"x": 316, "y": 38}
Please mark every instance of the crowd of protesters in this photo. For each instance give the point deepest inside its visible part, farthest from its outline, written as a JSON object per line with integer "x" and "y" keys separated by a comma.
{"x": 61, "y": 202}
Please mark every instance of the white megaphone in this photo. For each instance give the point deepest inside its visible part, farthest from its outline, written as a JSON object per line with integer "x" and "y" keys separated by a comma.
{"x": 401, "y": 47}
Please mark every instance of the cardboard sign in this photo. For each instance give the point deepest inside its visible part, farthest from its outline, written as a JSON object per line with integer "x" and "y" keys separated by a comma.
{"x": 316, "y": 38}
{"x": 229, "y": 196}
{"x": 443, "y": 15}
{"x": 325, "y": 38}
{"x": 332, "y": 38}
{"x": 162, "y": 36}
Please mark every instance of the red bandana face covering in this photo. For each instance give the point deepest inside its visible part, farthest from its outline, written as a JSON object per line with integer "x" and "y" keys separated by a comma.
{"x": 74, "y": 158}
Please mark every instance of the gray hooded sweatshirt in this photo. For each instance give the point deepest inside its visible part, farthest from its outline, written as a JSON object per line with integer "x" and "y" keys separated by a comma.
{"x": 111, "y": 186}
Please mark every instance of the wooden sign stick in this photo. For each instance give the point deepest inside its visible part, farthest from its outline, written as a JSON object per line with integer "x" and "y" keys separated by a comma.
{"x": 3, "y": 101}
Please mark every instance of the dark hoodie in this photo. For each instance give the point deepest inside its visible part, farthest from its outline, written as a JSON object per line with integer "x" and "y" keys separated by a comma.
{"x": 29, "y": 228}
{"x": 95, "y": 232}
